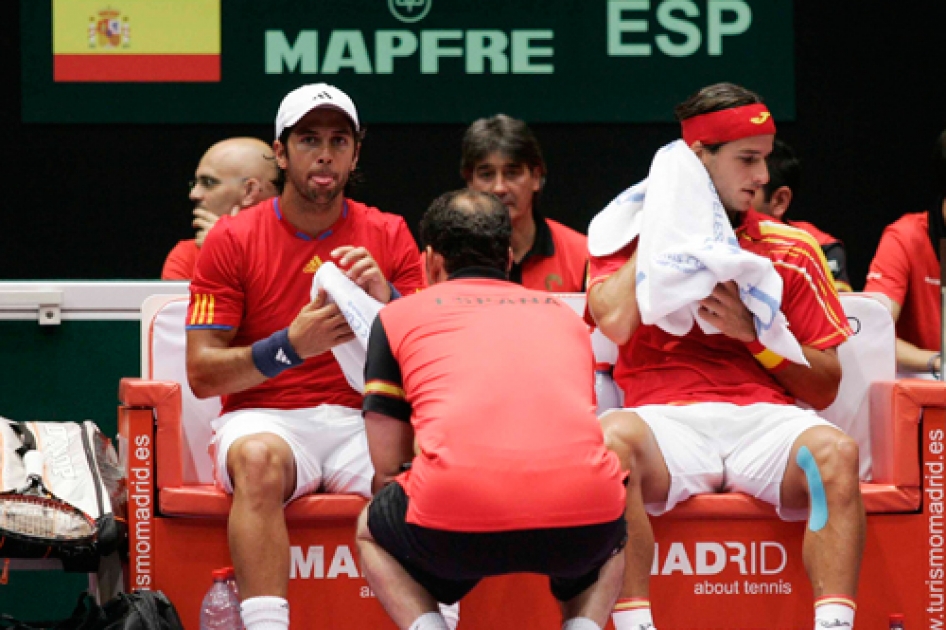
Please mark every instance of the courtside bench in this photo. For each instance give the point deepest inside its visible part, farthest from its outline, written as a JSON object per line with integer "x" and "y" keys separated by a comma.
{"x": 722, "y": 561}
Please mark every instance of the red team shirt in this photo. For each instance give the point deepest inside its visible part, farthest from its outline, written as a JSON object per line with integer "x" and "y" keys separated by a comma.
{"x": 255, "y": 275}
{"x": 906, "y": 270}
{"x": 181, "y": 261}
{"x": 657, "y": 368}
{"x": 503, "y": 444}
{"x": 557, "y": 262}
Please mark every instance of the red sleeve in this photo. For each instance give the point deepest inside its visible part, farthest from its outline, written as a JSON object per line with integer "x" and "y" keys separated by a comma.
{"x": 890, "y": 269}
{"x": 216, "y": 294}
{"x": 810, "y": 300}
{"x": 600, "y": 268}
{"x": 179, "y": 265}
{"x": 406, "y": 275}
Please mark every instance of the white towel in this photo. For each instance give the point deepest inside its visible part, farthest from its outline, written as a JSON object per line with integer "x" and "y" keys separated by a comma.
{"x": 687, "y": 246}
{"x": 359, "y": 310}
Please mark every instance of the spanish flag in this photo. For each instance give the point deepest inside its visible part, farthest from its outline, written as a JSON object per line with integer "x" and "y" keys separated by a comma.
{"x": 136, "y": 40}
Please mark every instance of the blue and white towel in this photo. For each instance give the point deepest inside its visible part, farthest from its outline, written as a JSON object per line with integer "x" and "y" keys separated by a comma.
{"x": 686, "y": 247}
{"x": 359, "y": 310}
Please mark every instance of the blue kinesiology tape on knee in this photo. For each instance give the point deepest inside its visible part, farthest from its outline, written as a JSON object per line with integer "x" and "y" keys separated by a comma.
{"x": 818, "y": 517}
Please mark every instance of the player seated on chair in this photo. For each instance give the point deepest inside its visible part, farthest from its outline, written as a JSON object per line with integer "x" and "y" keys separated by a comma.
{"x": 905, "y": 271}
{"x": 501, "y": 481}
{"x": 716, "y": 412}
{"x": 290, "y": 424}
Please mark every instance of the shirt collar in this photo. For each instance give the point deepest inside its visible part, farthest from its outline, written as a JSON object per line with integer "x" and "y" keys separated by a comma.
{"x": 302, "y": 235}
{"x": 477, "y": 272}
{"x": 542, "y": 246}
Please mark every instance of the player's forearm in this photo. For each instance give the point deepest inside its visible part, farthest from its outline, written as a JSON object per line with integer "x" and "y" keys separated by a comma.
{"x": 913, "y": 359}
{"x": 613, "y": 304}
{"x": 220, "y": 371}
{"x": 818, "y": 384}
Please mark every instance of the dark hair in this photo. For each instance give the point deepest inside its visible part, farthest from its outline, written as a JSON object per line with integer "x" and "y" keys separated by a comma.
{"x": 715, "y": 98}
{"x": 356, "y": 176}
{"x": 502, "y": 134}
{"x": 784, "y": 169}
{"x": 469, "y": 229}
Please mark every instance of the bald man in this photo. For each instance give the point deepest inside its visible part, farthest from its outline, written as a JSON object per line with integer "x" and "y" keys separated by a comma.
{"x": 233, "y": 174}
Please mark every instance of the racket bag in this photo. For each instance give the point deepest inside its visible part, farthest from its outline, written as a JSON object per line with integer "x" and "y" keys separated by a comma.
{"x": 139, "y": 610}
{"x": 82, "y": 469}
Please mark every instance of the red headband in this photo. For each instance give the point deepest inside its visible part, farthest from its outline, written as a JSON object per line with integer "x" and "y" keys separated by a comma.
{"x": 728, "y": 125}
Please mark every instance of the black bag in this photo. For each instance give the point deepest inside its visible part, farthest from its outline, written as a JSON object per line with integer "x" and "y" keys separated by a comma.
{"x": 140, "y": 610}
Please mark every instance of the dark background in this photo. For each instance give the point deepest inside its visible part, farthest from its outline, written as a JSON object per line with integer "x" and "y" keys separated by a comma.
{"x": 109, "y": 201}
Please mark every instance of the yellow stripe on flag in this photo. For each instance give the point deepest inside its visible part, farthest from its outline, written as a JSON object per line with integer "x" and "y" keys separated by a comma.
{"x": 136, "y": 27}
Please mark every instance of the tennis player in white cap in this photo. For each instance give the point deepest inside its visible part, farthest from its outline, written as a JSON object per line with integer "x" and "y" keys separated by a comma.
{"x": 291, "y": 424}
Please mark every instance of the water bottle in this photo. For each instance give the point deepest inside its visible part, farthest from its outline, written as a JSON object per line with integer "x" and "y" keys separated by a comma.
{"x": 896, "y": 622}
{"x": 220, "y": 609}
{"x": 607, "y": 392}
{"x": 231, "y": 581}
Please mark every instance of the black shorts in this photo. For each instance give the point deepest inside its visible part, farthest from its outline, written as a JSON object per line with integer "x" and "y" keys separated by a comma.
{"x": 449, "y": 564}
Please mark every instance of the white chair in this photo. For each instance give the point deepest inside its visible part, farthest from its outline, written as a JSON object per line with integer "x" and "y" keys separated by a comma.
{"x": 162, "y": 327}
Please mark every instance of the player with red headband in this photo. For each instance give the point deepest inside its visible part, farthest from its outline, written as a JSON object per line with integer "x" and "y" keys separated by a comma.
{"x": 716, "y": 413}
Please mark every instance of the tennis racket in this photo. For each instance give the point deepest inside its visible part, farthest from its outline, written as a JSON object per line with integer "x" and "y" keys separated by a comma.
{"x": 33, "y": 514}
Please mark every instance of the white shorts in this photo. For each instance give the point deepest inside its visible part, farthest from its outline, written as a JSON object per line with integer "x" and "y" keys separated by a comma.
{"x": 328, "y": 443}
{"x": 721, "y": 447}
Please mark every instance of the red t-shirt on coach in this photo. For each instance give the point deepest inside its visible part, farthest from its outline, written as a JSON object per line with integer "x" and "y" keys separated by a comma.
{"x": 906, "y": 270}
{"x": 255, "y": 274}
{"x": 497, "y": 382}
{"x": 181, "y": 261}
{"x": 657, "y": 368}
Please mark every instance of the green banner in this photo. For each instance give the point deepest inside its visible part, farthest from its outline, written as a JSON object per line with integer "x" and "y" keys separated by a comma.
{"x": 402, "y": 61}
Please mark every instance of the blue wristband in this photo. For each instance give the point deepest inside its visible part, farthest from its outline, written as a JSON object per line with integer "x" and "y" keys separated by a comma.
{"x": 395, "y": 294}
{"x": 275, "y": 354}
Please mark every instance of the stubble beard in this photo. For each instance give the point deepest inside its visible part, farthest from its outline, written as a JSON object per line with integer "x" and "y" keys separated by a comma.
{"x": 322, "y": 199}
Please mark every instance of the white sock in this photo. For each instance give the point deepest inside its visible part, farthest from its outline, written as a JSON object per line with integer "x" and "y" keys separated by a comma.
{"x": 834, "y": 612}
{"x": 427, "y": 621}
{"x": 580, "y": 623}
{"x": 265, "y": 613}
{"x": 632, "y": 613}
{"x": 451, "y": 614}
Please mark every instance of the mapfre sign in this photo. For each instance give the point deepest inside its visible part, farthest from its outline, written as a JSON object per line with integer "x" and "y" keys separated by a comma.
{"x": 426, "y": 60}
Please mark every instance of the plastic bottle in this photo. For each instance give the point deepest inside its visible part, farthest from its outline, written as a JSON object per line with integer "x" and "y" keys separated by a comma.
{"x": 896, "y": 622}
{"x": 220, "y": 609}
{"x": 609, "y": 397}
{"x": 231, "y": 582}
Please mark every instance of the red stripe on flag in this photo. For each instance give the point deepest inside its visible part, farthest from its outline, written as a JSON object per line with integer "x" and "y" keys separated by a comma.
{"x": 136, "y": 68}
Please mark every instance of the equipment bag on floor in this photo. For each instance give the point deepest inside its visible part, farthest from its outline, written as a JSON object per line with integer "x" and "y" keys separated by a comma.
{"x": 140, "y": 610}
{"x": 75, "y": 477}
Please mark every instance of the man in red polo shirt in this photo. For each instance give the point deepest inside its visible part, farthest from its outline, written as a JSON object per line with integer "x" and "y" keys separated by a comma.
{"x": 233, "y": 174}
{"x": 906, "y": 269}
{"x": 290, "y": 423}
{"x": 502, "y": 156}
{"x": 501, "y": 481}
{"x": 715, "y": 412}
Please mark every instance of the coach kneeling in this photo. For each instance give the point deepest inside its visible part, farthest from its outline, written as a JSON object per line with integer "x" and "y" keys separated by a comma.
{"x": 493, "y": 383}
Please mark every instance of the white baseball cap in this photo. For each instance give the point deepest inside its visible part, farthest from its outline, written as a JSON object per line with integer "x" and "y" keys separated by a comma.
{"x": 303, "y": 100}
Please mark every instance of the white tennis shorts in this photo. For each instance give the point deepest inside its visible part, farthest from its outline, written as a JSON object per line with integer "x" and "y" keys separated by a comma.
{"x": 721, "y": 447}
{"x": 328, "y": 443}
